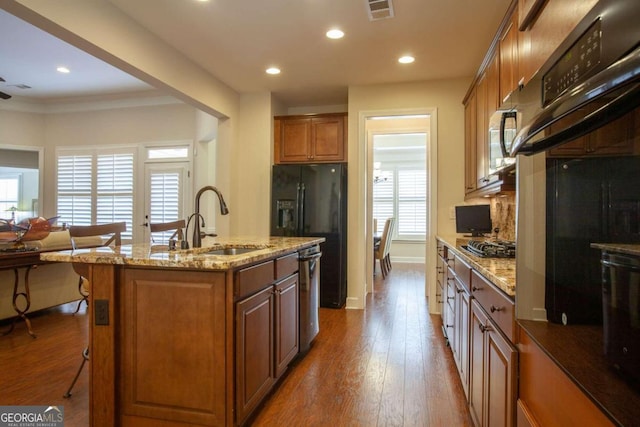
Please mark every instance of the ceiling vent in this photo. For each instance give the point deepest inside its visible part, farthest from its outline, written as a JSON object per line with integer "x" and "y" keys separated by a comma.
{"x": 379, "y": 9}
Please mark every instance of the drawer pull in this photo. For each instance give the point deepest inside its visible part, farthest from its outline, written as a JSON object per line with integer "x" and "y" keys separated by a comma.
{"x": 484, "y": 328}
{"x": 459, "y": 291}
{"x": 451, "y": 297}
{"x": 475, "y": 289}
{"x": 493, "y": 309}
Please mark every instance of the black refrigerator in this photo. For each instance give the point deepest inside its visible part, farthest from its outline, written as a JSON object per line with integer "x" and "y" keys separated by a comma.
{"x": 311, "y": 200}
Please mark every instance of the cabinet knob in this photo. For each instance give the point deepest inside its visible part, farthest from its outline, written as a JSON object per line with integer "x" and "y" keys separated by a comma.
{"x": 484, "y": 328}
{"x": 493, "y": 309}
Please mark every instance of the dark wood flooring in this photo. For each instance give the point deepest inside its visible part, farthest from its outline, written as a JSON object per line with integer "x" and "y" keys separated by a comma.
{"x": 387, "y": 365}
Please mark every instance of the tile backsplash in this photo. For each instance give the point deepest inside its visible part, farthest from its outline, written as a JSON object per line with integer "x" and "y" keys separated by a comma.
{"x": 503, "y": 216}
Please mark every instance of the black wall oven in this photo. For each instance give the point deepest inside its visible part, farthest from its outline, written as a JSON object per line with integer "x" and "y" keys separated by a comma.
{"x": 578, "y": 167}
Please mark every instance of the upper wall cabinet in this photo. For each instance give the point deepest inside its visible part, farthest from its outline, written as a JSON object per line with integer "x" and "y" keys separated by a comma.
{"x": 529, "y": 33}
{"x": 317, "y": 138}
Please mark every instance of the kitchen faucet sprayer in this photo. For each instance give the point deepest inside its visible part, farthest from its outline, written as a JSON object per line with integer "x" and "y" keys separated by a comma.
{"x": 197, "y": 236}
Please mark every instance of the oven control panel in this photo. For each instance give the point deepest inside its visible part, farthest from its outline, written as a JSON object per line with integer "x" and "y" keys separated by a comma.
{"x": 571, "y": 69}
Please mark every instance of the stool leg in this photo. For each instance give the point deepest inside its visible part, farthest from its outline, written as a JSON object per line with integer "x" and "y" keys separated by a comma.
{"x": 85, "y": 357}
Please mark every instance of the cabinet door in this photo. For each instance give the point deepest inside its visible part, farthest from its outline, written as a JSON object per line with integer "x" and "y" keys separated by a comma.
{"x": 500, "y": 378}
{"x": 327, "y": 139}
{"x": 293, "y": 141}
{"x": 476, "y": 363}
{"x": 481, "y": 131}
{"x": 470, "y": 164}
{"x": 254, "y": 351}
{"x": 286, "y": 323}
{"x": 462, "y": 334}
{"x": 509, "y": 71}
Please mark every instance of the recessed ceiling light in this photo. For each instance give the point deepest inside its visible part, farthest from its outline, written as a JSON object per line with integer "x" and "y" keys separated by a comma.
{"x": 273, "y": 70}
{"x": 335, "y": 34}
{"x": 407, "y": 59}
{"x": 64, "y": 70}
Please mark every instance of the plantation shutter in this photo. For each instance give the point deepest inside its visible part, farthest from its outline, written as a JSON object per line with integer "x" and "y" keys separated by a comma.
{"x": 165, "y": 200}
{"x": 412, "y": 205}
{"x": 114, "y": 190}
{"x": 74, "y": 189}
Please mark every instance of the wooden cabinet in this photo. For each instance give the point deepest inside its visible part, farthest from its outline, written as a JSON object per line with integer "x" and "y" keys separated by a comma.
{"x": 462, "y": 311}
{"x": 480, "y": 326}
{"x": 493, "y": 364}
{"x": 165, "y": 319}
{"x": 508, "y": 54}
{"x": 547, "y": 396}
{"x": 441, "y": 275}
{"x": 616, "y": 138}
{"x": 286, "y": 323}
{"x": 545, "y": 31}
{"x": 310, "y": 139}
{"x": 470, "y": 143}
{"x": 254, "y": 351}
{"x": 267, "y": 324}
{"x": 493, "y": 358}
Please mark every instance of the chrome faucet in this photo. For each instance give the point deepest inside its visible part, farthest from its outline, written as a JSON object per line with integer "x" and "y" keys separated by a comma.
{"x": 199, "y": 219}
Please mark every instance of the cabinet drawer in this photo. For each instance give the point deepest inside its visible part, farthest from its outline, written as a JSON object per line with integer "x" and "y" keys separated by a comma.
{"x": 252, "y": 279}
{"x": 463, "y": 272}
{"x": 499, "y": 307}
{"x": 286, "y": 266}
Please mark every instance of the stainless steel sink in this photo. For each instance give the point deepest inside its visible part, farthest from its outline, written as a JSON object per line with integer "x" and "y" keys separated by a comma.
{"x": 231, "y": 251}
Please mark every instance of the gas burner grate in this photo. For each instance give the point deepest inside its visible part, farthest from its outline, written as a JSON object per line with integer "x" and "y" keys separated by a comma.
{"x": 491, "y": 249}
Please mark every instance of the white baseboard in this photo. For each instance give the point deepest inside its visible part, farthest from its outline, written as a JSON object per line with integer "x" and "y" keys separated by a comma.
{"x": 408, "y": 260}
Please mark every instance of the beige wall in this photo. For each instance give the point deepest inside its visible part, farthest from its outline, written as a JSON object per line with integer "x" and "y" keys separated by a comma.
{"x": 445, "y": 96}
{"x": 252, "y": 156}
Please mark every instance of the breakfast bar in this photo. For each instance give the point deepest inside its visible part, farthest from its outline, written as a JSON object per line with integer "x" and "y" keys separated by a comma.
{"x": 187, "y": 337}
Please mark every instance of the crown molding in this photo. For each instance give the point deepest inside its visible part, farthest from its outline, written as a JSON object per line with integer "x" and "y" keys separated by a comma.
{"x": 27, "y": 105}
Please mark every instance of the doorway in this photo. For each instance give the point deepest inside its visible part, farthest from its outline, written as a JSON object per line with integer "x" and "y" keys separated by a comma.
{"x": 399, "y": 184}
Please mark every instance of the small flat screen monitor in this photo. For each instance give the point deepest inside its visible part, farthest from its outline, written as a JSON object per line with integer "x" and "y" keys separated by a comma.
{"x": 473, "y": 219}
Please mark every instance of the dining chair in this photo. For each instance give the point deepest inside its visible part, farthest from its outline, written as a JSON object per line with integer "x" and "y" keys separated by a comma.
{"x": 87, "y": 236}
{"x": 176, "y": 226}
{"x": 91, "y": 236}
{"x": 382, "y": 251}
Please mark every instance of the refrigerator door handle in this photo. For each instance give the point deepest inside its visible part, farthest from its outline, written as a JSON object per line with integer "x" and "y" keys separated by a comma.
{"x": 301, "y": 193}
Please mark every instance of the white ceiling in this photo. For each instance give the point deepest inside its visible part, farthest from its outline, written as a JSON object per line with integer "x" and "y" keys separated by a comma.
{"x": 237, "y": 40}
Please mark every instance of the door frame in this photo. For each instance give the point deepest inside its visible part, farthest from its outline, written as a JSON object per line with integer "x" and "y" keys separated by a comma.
{"x": 366, "y": 153}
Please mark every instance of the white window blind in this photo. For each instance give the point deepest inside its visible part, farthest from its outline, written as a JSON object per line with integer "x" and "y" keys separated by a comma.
{"x": 114, "y": 190}
{"x": 74, "y": 189}
{"x": 96, "y": 187}
{"x": 404, "y": 196}
{"x": 165, "y": 201}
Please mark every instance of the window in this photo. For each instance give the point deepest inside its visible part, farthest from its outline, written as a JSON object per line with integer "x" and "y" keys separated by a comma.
{"x": 96, "y": 187}
{"x": 9, "y": 193}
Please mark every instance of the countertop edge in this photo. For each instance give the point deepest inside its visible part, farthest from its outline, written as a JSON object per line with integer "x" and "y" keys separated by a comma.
{"x": 499, "y": 271}
{"x": 144, "y": 255}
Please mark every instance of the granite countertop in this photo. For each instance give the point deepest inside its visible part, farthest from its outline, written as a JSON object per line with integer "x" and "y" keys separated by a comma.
{"x": 196, "y": 258}
{"x": 623, "y": 248}
{"x": 499, "y": 271}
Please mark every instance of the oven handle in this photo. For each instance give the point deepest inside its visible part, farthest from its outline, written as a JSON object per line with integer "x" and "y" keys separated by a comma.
{"x": 617, "y": 264}
{"x": 612, "y": 82}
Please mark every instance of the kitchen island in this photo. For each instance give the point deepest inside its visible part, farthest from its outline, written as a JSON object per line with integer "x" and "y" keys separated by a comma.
{"x": 187, "y": 337}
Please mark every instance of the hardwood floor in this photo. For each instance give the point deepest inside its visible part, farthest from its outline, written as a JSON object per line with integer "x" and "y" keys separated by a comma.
{"x": 387, "y": 365}
{"x": 39, "y": 371}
